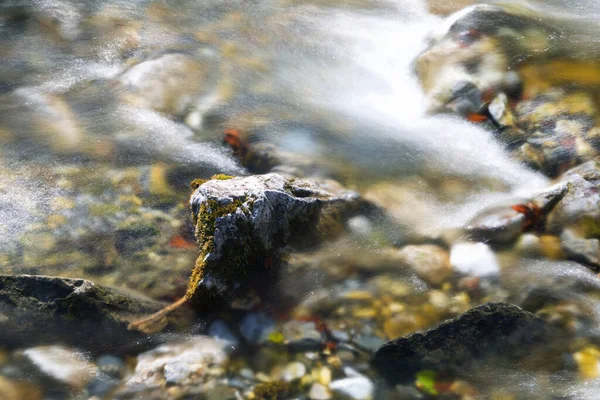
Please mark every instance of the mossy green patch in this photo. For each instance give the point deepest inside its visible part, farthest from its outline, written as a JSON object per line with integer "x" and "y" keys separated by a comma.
{"x": 237, "y": 256}
{"x": 221, "y": 177}
{"x": 272, "y": 390}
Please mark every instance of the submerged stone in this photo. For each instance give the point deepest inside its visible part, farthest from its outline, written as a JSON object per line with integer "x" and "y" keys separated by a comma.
{"x": 459, "y": 345}
{"x": 44, "y": 310}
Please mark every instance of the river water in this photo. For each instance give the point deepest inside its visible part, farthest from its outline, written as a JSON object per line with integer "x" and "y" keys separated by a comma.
{"x": 109, "y": 108}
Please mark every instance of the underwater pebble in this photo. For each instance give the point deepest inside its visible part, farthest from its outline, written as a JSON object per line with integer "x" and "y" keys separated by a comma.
{"x": 356, "y": 386}
{"x": 182, "y": 363}
{"x": 319, "y": 392}
{"x": 302, "y": 336}
{"x": 63, "y": 364}
{"x": 256, "y": 327}
{"x": 219, "y": 330}
{"x": 476, "y": 259}
{"x": 293, "y": 371}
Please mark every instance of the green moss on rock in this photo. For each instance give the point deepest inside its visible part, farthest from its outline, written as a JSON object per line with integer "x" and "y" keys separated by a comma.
{"x": 272, "y": 390}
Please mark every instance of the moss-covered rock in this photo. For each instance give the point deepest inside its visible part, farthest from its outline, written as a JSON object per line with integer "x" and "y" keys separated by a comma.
{"x": 242, "y": 225}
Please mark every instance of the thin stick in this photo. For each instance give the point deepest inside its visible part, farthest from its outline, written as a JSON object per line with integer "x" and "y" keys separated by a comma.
{"x": 157, "y": 321}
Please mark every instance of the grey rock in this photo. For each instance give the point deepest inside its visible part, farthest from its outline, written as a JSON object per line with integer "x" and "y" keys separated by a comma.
{"x": 182, "y": 363}
{"x": 581, "y": 249}
{"x": 219, "y": 330}
{"x": 256, "y": 327}
{"x": 590, "y": 171}
{"x": 368, "y": 343}
{"x": 499, "y": 330}
{"x": 43, "y": 310}
{"x": 578, "y": 207}
{"x": 302, "y": 336}
{"x": 242, "y": 225}
{"x": 497, "y": 225}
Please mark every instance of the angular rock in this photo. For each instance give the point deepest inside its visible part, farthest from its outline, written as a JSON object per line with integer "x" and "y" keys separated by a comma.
{"x": 181, "y": 363}
{"x": 499, "y": 225}
{"x": 456, "y": 346}
{"x": 43, "y": 310}
{"x": 242, "y": 225}
{"x": 577, "y": 208}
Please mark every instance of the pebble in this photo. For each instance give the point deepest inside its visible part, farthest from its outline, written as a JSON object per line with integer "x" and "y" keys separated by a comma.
{"x": 63, "y": 364}
{"x": 355, "y": 386}
{"x": 319, "y": 392}
{"x": 430, "y": 263}
{"x": 181, "y": 363}
{"x": 302, "y": 336}
{"x": 110, "y": 365}
{"x": 219, "y": 330}
{"x": 476, "y": 259}
{"x": 256, "y": 327}
{"x": 293, "y": 371}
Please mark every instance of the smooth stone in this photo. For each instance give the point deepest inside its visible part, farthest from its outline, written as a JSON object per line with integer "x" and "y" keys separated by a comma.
{"x": 431, "y": 263}
{"x": 256, "y": 327}
{"x": 293, "y": 371}
{"x": 476, "y": 259}
{"x": 319, "y": 392}
{"x": 355, "y": 386}
{"x": 302, "y": 336}
{"x": 219, "y": 329}
{"x": 63, "y": 364}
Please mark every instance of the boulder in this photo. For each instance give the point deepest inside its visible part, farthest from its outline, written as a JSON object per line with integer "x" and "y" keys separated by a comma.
{"x": 459, "y": 345}
{"x": 242, "y": 224}
{"x": 38, "y": 310}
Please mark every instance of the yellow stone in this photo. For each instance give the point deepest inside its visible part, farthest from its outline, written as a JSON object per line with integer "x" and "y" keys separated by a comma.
{"x": 587, "y": 361}
{"x": 360, "y": 295}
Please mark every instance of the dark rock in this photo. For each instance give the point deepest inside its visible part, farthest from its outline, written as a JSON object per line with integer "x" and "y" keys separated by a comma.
{"x": 242, "y": 225}
{"x": 456, "y": 346}
{"x": 43, "y": 310}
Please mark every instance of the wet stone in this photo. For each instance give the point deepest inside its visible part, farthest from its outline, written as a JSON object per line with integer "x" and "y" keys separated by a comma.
{"x": 494, "y": 330}
{"x": 499, "y": 225}
{"x": 180, "y": 363}
{"x": 44, "y": 310}
{"x": 256, "y": 327}
{"x": 293, "y": 371}
{"x": 476, "y": 259}
{"x": 242, "y": 225}
{"x": 580, "y": 249}
{"x": 355, "y": 386}
{"x": 431, "y": 263}
{"x": 302, "y": 336}
{"x": 219, "y": 330}
{"x": 62, "y": 364}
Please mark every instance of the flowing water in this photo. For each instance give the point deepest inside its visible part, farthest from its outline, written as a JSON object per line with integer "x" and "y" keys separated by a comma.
{"x": 109, "y": 108}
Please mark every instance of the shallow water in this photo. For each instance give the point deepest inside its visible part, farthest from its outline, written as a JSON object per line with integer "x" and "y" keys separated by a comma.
{"x": 108, "y": 109}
